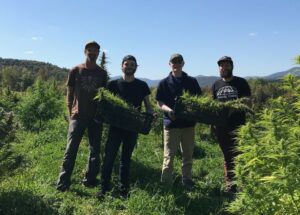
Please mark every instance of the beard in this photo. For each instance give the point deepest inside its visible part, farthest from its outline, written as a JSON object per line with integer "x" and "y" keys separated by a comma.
{"x": 226, "y": 74}
{"x": 129, "y": 72}
{"x": 92, "y": 57}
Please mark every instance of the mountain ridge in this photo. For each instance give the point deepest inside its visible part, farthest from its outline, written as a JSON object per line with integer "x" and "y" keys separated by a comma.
{"x": 56, "y": 71}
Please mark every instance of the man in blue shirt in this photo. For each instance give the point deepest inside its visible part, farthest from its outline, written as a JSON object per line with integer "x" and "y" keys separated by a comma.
{"x": 177, "y": 131}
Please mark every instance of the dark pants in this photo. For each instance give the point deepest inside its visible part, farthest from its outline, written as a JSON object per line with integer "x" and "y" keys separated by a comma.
{"x": 75, "y": 133}
{"x": 115, "y": 137}
{"x": 226, "y": 139}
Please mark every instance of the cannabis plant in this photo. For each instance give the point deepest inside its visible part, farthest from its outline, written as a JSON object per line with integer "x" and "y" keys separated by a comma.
{"x": 267, "y": 168}
{"x": 115, "y": 111}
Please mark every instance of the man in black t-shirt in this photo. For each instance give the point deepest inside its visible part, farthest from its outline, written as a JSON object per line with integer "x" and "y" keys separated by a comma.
{"x": 177, "y": 131}
{"x": 227, "y": 88}
{"x": 134, "y": 91}
{"x": 83, "y": 83}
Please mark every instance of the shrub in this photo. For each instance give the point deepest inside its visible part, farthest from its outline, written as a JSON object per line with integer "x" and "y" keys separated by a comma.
{"x": 39, "y": 104}
{"x": 267, "y": 169}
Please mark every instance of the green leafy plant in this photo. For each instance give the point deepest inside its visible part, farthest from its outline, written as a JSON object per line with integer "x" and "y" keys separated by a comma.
{"x": 207, "y": 110}
{"x": 39, "y": 104}
{"x": 117, "y": 112}
{"x": 7, "y": 127}
{"x": 267, "y": 168}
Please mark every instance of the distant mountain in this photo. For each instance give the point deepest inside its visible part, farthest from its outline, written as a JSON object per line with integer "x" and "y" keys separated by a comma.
{"x": 206, "y": 81}
{"x": 151, "y": 83}
{"x": 278, "y": 75}
{"x": 61, "y": 73}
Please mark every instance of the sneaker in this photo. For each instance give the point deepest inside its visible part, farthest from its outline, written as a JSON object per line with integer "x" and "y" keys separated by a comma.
{"x": 124, "y": 194}
{"x": 188, "y": 184}
{"x": 101, "y": 195}
{"x": 231, "y": 188}
{"x": 91, "y": 184}
{"x": 62, "y": 187}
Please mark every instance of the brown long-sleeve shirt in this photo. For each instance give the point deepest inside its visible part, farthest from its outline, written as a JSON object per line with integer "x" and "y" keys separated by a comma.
{"x": 83, "y": 85}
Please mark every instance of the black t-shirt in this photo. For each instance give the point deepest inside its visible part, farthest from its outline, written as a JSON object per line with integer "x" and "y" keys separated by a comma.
{"x": 169, "y": 89}
{"x": 132, "y": 92}
{"x": 233, "y": 89}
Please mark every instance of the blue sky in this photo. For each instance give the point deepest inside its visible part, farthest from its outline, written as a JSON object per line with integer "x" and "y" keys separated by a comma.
{"x": 262, "y": 36}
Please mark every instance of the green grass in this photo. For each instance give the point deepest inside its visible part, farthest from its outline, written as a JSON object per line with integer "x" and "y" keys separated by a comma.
{"x": 29, "y": 187}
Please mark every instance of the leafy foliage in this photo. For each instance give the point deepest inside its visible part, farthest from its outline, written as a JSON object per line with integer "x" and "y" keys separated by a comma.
{"x": 206, "y": 103}
{"x": 106, "y": 95}
{"x": 267, "y": 169}
{"x": 297, "y": 59}
{"x": 22, "y": 73}
{"x": 39, "y": 104}
{"x": 7, "y": 128}
{"x": 204, "y": 109}
{"x": 117, "y": 112}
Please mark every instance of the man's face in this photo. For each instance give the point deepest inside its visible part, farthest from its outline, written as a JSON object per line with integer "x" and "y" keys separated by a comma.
{"x": 176, "y": 66}
{"x": 225, "y": 69}
{"x": 91, "y": 52}
{"x": 129, "y": 67}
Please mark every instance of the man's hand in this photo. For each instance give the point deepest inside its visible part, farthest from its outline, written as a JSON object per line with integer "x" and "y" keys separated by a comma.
{"x": 171, "y": 114}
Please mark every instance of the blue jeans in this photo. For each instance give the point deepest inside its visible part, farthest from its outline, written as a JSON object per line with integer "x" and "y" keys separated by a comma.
{"x": 75, "y": 134}
{"x": 115, "y": 137}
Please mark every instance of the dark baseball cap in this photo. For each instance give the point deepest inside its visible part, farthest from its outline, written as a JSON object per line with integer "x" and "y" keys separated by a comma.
{"x": 129, "y": 57}
{"x": 176, "y": 58}
{"x": 225, "y": 59}
{"x": 92, "y": 43}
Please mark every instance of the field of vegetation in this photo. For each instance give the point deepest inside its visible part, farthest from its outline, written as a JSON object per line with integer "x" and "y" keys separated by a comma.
{"x": 33, "y": 129}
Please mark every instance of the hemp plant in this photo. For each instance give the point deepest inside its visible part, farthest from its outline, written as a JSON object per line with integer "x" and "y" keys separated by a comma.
{"x": 267, "y": 167}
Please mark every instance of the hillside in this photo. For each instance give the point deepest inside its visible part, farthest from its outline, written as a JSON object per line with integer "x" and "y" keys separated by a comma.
{"x": 48, "y": 70}
{"x": 36, "y": 68}
{"x": 278, "y": 75}
{"x": 207, "y": 81}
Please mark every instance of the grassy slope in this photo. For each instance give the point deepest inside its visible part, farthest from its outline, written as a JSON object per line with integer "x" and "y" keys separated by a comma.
{"x": 30, "y": 189}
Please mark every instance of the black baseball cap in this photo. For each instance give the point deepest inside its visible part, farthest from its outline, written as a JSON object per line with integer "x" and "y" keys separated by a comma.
{"x": 225, "y": 59}
{"x": 176, "y": 58}
{"x": 92, "y": 43}
{"x": 129, "y": 57}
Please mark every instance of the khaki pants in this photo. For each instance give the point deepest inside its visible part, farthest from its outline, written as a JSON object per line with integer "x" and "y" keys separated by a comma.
{"x": 185, "y": 137}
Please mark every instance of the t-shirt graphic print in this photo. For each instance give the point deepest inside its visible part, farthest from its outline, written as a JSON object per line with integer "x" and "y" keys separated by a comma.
{"x": 227, "y": 93}
{"x": 89, "y": 83}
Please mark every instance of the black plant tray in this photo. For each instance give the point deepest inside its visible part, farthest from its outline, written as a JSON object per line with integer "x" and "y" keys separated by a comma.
{"x": 193, "y": 113}
{"x": 123, "y": 118}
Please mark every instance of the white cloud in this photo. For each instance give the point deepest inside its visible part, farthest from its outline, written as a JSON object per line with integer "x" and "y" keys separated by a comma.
{"x": 253, "y": 34}
{"x": 30, "y": 52}
{"x": 37, "y": 38}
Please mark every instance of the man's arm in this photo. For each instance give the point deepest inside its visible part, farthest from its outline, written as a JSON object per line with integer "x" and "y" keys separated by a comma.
{"x": 148, "y": 105}
{"x": 165, "y": 108}
{"x": 70, "y": 98}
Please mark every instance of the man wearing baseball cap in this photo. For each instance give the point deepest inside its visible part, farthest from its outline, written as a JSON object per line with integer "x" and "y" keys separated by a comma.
{"x": 83, "y": 82}
{"x": 177, "y": 131}
{"x": 227, "y": 88}
{"x": 135, "y": 92}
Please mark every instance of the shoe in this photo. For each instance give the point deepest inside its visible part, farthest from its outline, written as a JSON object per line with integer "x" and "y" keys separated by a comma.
{"x": 124, "y": 194}
{"x": 231, "y": 188}
{"x": 104, "y": 189}
{"x": 188, "y": 184}
{"x": 62, "y": 187}
{"x": 101, "y": 195}
{"x": 90, "y": 184}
